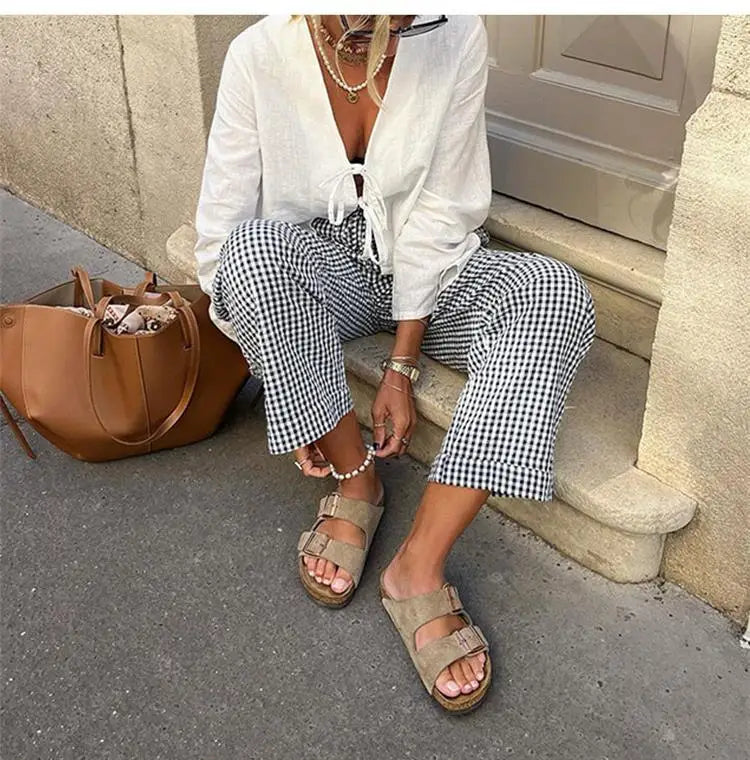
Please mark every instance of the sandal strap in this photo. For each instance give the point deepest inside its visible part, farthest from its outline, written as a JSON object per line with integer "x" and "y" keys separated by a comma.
{"x": 438, "y": 654}
{"x": 361, "y": 513}
{"x": 409, "y": 615}
{"x": 347, "y": 556}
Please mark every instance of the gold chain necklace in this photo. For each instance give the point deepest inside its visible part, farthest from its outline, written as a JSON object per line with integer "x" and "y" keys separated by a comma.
{"x": 352, "y": 91}
{"x": 346, "y": 50}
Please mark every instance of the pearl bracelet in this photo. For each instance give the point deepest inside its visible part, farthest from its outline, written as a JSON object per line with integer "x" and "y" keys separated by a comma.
{"x": 358, "y": 470}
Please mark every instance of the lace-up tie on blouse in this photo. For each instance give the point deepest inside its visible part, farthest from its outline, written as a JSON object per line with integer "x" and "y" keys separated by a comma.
{"x": 371, "y": 202}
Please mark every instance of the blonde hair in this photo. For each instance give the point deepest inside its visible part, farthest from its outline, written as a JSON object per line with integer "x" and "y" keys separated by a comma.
{"x": 378, "y": 45}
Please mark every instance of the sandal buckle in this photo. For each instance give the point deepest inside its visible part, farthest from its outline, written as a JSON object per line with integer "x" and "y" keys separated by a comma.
{"x": 316, "y": 544}
{"x": 329, "y": 505}
{"x": 453, "y": 599}
{"x": 470, "y": 638}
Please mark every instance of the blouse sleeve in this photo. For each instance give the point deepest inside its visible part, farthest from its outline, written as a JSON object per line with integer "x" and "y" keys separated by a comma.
{"x": 456, "y": 195}
{"x": 232, "y": 172}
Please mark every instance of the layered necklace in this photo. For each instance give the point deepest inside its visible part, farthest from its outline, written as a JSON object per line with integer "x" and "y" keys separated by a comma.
{"x": 350, "y": 55}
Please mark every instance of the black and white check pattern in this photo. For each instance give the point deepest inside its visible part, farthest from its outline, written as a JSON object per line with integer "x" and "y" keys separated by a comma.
{"x": 517, "y": 323}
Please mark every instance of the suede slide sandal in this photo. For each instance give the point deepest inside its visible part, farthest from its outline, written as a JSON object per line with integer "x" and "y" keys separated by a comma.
{"x": 351, "y": 558}
{"x": 409, "y": 615}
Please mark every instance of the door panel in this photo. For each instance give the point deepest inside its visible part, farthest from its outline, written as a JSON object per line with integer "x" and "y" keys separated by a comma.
{"x": 586, "y": 114}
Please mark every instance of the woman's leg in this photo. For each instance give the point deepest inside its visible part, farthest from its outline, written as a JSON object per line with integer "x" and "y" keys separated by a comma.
{"x": 519, "y": 325}
{"x": 293, "y": 295}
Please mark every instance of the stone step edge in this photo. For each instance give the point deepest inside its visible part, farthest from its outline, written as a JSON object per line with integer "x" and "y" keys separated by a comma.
{"x": 628, "y": 266}
{"x": 631, "y": 501}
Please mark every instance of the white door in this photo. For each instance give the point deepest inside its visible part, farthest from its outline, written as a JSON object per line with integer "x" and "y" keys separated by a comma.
{"x": 586, "y": 114}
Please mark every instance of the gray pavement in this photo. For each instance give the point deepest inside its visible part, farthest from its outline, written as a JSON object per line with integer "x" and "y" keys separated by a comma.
{"x": 151, "y": 609}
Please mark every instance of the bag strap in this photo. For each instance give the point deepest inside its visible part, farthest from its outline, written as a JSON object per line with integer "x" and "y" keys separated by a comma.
{"x": 16, "y": 429}
{"x": 148, "y": 283}
{"x": 191, "y": 335}
{"x": 83, "y": 286}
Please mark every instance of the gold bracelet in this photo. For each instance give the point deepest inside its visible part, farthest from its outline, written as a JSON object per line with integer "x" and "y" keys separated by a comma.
{"x": 404, "y": 358}
{"x": 395, "y": 387}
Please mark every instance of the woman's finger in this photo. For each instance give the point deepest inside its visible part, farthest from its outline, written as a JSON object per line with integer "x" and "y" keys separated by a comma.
{"x": 379, "y": 417}
{"x": 393, "y": 444}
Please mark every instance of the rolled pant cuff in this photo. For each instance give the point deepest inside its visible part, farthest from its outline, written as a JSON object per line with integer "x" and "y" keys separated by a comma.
{"x": 500, "y": 478}
{"x": 309, "y": 428}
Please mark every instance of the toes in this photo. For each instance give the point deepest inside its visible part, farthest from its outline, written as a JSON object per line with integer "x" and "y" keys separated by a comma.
{"x": 446, "y": 685}
{"x": 477, "y": 666}
{"x": 341, "y": 582}
{"x": 328, "y": 573}
{"x": 469, "y": 674}
{"x": 320, "y": 568}
{"x": 310, "y": 563}
{"x": 458, "y": 676}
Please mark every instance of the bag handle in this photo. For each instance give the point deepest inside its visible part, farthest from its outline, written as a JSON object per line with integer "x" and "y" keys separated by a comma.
{"x": 83, "y": 281}
{"x": 191, "y": 335}
{"x": 148, "y": 283}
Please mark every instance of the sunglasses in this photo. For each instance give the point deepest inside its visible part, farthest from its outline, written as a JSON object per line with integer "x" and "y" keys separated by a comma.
{"x": 404, "y": 31}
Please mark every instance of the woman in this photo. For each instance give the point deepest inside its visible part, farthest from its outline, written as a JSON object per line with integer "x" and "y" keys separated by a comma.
{"x": 346, "y": 179}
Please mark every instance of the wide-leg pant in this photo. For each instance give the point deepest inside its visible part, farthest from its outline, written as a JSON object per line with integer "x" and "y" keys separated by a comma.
{"x": 517, "y": 323}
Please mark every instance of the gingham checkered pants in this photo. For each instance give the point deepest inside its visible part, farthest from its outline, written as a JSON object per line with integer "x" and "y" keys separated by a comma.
{"x": 517, "y": 323}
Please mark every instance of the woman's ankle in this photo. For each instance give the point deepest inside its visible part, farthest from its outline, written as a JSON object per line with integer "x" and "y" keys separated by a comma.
{"x": 414, "y": 570}
{"x": 366, "y": 486}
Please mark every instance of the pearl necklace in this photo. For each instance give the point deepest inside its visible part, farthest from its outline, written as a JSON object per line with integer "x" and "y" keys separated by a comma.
{"x": 351, "y": 90}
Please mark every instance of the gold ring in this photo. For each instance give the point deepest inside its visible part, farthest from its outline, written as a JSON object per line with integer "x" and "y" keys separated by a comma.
{"x": 379, "y": 424}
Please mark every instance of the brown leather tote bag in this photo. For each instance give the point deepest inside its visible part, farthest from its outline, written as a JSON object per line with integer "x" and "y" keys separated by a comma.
{"x": 98, "y": 395}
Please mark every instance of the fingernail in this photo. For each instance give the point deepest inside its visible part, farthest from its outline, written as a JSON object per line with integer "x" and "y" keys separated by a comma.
{"x": 475, "y": 684}
{"x": 311, "y": 573}
{"x": 452, "y": 686}
{"x": 338, "y": 585}
{"x": 480, "y": 675}
{"x": 326, "y": 582}
{"x": 319, "y": 578}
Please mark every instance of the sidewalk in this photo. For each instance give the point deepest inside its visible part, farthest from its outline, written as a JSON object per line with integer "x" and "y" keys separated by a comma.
{"x": 151, "y": 609}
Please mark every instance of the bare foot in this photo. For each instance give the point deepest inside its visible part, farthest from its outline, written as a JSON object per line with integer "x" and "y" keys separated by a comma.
{"x": 403, "y": 582}
{"x": 324, "y": 571}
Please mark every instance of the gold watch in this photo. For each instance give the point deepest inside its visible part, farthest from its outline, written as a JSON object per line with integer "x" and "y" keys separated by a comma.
{"x": 407, "y": 370}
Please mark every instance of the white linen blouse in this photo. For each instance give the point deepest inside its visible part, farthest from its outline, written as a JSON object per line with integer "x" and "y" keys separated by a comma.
{"x": 274, "y": 152}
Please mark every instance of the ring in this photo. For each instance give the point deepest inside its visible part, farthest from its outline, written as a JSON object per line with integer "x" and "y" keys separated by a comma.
{"x": 405, "y": 441}
{"x": 299, "y": 464}
{"x": 379, "y": 424}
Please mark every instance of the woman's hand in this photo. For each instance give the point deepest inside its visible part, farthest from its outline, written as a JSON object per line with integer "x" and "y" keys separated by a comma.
{"x": 311, "y": 462}
{"x": 394, "y": 402}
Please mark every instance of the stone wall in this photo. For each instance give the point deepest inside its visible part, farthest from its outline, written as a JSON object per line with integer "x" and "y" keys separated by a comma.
{"x": 696, "y": 433}
{"x": 104, "y": 120}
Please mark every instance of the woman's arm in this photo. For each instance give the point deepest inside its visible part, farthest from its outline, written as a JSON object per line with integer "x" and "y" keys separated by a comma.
{"x": 456, "y": 195}
{"x": 231, "y": 175}
{"x": 454, "y": 200}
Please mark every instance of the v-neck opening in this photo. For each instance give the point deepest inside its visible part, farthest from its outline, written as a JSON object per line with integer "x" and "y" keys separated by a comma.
{"x": 324, "y": 91}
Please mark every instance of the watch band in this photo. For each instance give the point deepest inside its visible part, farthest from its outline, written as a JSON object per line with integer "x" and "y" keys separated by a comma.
{"x": 407, "y": 370}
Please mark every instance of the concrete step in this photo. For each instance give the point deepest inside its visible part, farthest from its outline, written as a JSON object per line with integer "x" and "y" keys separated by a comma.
{"x": 624, "y": 276}
{"x": 607, "y": 514}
